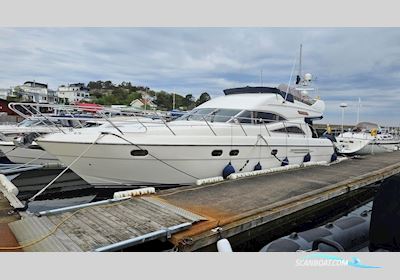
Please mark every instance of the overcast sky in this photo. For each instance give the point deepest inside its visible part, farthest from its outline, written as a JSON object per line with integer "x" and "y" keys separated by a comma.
{"x": 348, "y": 63}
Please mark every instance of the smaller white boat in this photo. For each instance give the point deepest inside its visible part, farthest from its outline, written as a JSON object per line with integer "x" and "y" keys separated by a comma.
{"x": 366, "y": 138}
{"x": 17, "y": 141}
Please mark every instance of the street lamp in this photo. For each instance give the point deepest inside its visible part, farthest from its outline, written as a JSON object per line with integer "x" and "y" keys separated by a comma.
{"x": 343, "y": 105}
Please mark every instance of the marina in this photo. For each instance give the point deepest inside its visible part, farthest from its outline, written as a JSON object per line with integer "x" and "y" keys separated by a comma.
{"x": 104, "y": 167}
{"x": 193, "y": 218}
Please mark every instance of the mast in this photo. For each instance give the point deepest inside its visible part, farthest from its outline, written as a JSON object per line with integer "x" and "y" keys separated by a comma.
{"x": 298, "y": 78}
{"x": 301, "y": 50}
{"x": 358, "y": 110}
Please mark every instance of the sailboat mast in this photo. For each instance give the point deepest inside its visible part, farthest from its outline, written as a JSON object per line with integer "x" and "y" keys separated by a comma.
{"x": 301, "y": 50}
{"x": 298, "y": 78}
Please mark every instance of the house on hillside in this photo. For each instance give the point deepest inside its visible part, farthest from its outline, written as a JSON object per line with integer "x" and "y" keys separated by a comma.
{"x": 142, "y": 103}
{"x": 73, "y": 93}
{"x": 34, "y": 92}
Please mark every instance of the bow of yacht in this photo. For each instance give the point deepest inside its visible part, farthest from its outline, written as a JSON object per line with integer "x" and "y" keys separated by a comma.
{"x": 247, "y": 129}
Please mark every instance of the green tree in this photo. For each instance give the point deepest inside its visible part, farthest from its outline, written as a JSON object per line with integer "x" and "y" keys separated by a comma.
{"x": 204, "y": 97}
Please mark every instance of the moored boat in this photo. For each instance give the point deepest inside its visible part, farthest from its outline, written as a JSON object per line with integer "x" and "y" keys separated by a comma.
{"x": 249, "y": 128}
{"x": 366, "y": 138}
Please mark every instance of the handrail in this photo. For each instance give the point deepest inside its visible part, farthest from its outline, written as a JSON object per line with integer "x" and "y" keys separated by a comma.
{"x": 209, "y": 126}
{"x": 266, "y": 128}
{"x": 165, "y": 123}
{"x": 241, "y": 126}
{"x": 101, "y": 112}
{"x": 40, "y": 113}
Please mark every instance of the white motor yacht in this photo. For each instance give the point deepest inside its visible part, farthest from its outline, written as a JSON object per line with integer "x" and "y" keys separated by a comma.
{"x": 249, "y": 128}
{"x": 366, "y": 138}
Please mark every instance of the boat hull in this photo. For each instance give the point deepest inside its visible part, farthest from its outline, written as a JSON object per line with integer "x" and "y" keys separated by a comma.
{"x": 366, "y": 146}
{"x": 27, "y": 155}
{"x": 168, "y": 165}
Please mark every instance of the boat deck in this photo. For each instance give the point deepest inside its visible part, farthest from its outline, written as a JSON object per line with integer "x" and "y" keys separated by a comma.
{"x": 229, "y": 209}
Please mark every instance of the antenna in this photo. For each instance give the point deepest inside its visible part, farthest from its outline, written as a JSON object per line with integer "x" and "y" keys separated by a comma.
{"x": 298, "y": 78}
{"x": 301, "y": 52}
{"x": 290, "y": 79}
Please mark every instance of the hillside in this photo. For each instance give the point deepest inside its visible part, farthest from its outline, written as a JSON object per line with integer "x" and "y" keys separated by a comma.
{"x": 107, "y": 93}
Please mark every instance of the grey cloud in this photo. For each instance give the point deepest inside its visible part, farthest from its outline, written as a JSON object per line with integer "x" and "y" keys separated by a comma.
{"x": 348, "y": 62}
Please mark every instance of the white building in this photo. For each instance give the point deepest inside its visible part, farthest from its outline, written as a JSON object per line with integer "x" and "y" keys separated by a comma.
{"x": 34, "y": 92}
{"x": 73, "y": 93}
{"x": 142, "y": 103}
{"x": 5, "y": 92}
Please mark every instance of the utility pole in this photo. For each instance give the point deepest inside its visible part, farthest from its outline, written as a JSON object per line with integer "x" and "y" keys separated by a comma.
{"x": 343, "y": 106}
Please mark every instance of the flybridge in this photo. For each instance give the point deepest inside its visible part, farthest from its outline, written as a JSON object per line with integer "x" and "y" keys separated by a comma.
{"x": 267, "y": 90}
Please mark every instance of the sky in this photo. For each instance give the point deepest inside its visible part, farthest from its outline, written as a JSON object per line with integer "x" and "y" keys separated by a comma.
{"x": 347, "y": 63}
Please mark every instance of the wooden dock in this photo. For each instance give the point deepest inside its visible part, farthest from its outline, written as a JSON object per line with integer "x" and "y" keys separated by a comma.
{"x": 7, "y": 215}
{"x": 240, "y": 205}
{"x": 103, "y": 226}
{"x": 231, "y": 209}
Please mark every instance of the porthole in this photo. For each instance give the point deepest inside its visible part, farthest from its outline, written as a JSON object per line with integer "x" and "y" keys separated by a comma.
{"x": 139, "y": 153}
{"x": 216, "y": 153}
{"x": 234, "y": 153}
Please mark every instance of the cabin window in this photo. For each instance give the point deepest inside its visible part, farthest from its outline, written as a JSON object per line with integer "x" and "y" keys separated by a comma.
{"x": 139, "y": 153}
{"x": 259, "y": 117}
{"x": 216, "y": 153}
{"x": 196, "y": 115}
{"x": 211, "y": 115}
{"x": 290, "y": 129}
{"x": 222, "y": 115}
{"x": 245, "y": 117}
{"x": 294, "y": 129}
{"x": 234, "y": 152}
{"x": 267, "y": 117}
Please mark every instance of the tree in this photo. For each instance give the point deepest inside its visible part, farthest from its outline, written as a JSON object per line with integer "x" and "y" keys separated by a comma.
{"x": 204, "y": 97}
{"x": 95, "y": 85}
{"x": 108, "y": 85}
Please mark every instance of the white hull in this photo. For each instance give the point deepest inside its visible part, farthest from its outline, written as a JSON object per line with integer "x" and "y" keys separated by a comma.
{"x": 113, "y": 164}
{"x": 376, "y": 147}
{"x": 359, "y": 146}
{"x": 26, "y": 155}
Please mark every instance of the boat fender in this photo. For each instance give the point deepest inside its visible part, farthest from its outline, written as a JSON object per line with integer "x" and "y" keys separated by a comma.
{"x": 224, "y": 246}
{"x": 257, "y": 166}
{"x": 307, "y": 157}
{"x": 285, "y": 162}
{"x": 134, "y": 192}
{"x": 228, "y": 170}
{"x": 333, "y": 157}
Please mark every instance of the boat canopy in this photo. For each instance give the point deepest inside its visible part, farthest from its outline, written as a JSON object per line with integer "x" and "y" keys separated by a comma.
{"x": 267, "y": 90}
{"x": 366, "y": 126}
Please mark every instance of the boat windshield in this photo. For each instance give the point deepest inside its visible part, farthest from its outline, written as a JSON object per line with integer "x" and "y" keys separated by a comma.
{"x": 29, "y": 123}
{"x": 211, "y": 115}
